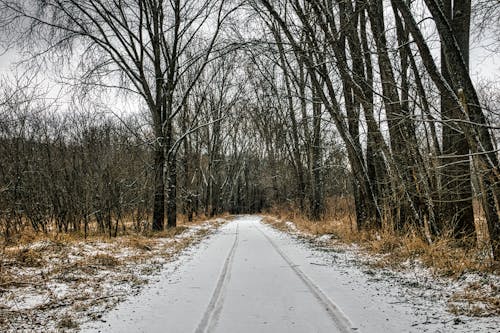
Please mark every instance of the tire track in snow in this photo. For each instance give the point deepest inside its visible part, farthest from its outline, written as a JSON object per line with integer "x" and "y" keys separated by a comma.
{"x": 336, "y": 314}
{"x": 211, "y": 316}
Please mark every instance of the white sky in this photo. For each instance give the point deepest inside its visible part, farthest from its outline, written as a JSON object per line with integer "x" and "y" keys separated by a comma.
{"x": 484, "y": 63}
{"x": 6, "y": 61}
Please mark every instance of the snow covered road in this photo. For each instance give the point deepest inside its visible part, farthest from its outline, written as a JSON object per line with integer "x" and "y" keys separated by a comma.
{"x": 249, "y": 277}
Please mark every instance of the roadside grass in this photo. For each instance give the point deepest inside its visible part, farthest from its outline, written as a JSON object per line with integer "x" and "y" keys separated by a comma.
{"x": 55, "y": 282}
{"x": 445, "y": 257}
{"x": 126, "y": 227}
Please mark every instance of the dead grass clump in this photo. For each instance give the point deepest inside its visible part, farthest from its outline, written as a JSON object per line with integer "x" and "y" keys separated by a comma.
{"x": 338, "y": 219}
{"x": 28, "y": 257}
{"x": 74, "y": 270}
{"x": 276, "y": 223}
{"x": 319, "y": 227}
{"x": 27, "y": 236}
{"x": 139, "y": 243}
{"x": 172, "y": 232}
{"x": 202, "y": 233}
{"x": 450, "y": 260}
{"x": 67, "y": 323}
{"x": 6, "y": 279}
{"x": 479, "y": 300}
{"x": 183, "y": 220}
{"x": 445, "y": 256}
{"x": 105, "y": 259}
{"x": 384, "y": 243}
{"x": 413, "y": 246}
{"x": 182, "y": 243}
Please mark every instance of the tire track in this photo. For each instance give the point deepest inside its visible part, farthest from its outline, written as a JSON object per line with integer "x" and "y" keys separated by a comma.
{"x": 336, "y": 314}
{"x": 211, "y": 316}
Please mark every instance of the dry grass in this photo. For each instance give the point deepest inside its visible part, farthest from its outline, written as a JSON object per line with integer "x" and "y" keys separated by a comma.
{"x": 169, "y": 232}
{"x": 338, "y": 219}
{"x": 480, "y": 300}
{"x": 94, "y": 273}
{"x": 446, "y": 256}
{"x": 139, "y": 242}
{"x": 67, "y": 323}
{"x": 127, "y": 228}
{"x": 26, "y": 257}
{"x": 104, "y": 259}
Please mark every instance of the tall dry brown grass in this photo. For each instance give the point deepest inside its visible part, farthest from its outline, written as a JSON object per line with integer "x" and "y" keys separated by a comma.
{"x": 128, "y": 227}
{"x": 445, "y": 255}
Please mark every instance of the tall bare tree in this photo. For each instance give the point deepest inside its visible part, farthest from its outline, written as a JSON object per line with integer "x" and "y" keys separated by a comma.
{"x": 148, "y": 45}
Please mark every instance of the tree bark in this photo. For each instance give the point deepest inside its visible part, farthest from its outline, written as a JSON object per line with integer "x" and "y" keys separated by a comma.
{"x": 159, "y": 187}
{"x": 473, "y": 121}
{"x": 456, "y": 210}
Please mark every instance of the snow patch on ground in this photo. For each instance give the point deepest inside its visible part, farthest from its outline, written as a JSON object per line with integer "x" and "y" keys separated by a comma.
{"x": 324, "y": 238}
{"x": 291, "y": 226}
{"x": 440, "y": 304}
{"x": 51, "y": 286}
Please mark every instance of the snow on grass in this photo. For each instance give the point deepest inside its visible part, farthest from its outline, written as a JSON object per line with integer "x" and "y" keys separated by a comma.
{"x": 324, "y": 238}
{"x": 291, "y": 226}
{"x": 52, "y": 285}
{"x": 467, "y": 303}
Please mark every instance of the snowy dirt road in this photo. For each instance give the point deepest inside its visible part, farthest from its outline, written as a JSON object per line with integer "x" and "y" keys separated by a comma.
{"x": 249, "y": 277}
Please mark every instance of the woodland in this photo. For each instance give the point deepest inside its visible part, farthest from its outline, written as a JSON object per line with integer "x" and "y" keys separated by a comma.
{"x": 132, "y": 114}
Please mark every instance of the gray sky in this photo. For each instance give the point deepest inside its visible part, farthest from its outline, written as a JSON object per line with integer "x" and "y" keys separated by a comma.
{"x": 484, "y": 63}
{"x": 6, "y": 61}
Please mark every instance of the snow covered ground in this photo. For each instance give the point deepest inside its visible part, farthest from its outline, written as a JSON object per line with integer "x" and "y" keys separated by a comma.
{"x": 55, "y": 285}
{"x": 249, "y": 277}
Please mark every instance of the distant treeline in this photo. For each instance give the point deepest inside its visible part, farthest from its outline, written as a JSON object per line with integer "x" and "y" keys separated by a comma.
{"x": 91, "y": 172}
{"x": 259, "y": 103}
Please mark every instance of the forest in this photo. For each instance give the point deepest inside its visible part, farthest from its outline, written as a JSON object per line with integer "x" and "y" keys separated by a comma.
{"x": 131, "y": 114}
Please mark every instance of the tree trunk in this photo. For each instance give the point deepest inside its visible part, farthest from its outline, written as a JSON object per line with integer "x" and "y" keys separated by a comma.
{"x": 171, "y": 184}
{"x": 159, "y": 188}
{"x": 299, "y": 170}
{"x": 456, "y": 209}
{"x": 400, "y": 127}
{"x": 317, "y": 204}
{"x": 478, "y": 136}
{"x": 172, "y": 192}
{"x": 476, "y": 129}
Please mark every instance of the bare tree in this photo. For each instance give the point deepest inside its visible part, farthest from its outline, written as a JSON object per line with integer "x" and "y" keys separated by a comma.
{"x": 148, "y": 44}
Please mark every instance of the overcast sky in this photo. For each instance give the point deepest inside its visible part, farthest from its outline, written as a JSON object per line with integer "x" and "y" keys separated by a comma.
{"x": 484, "y": 64}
